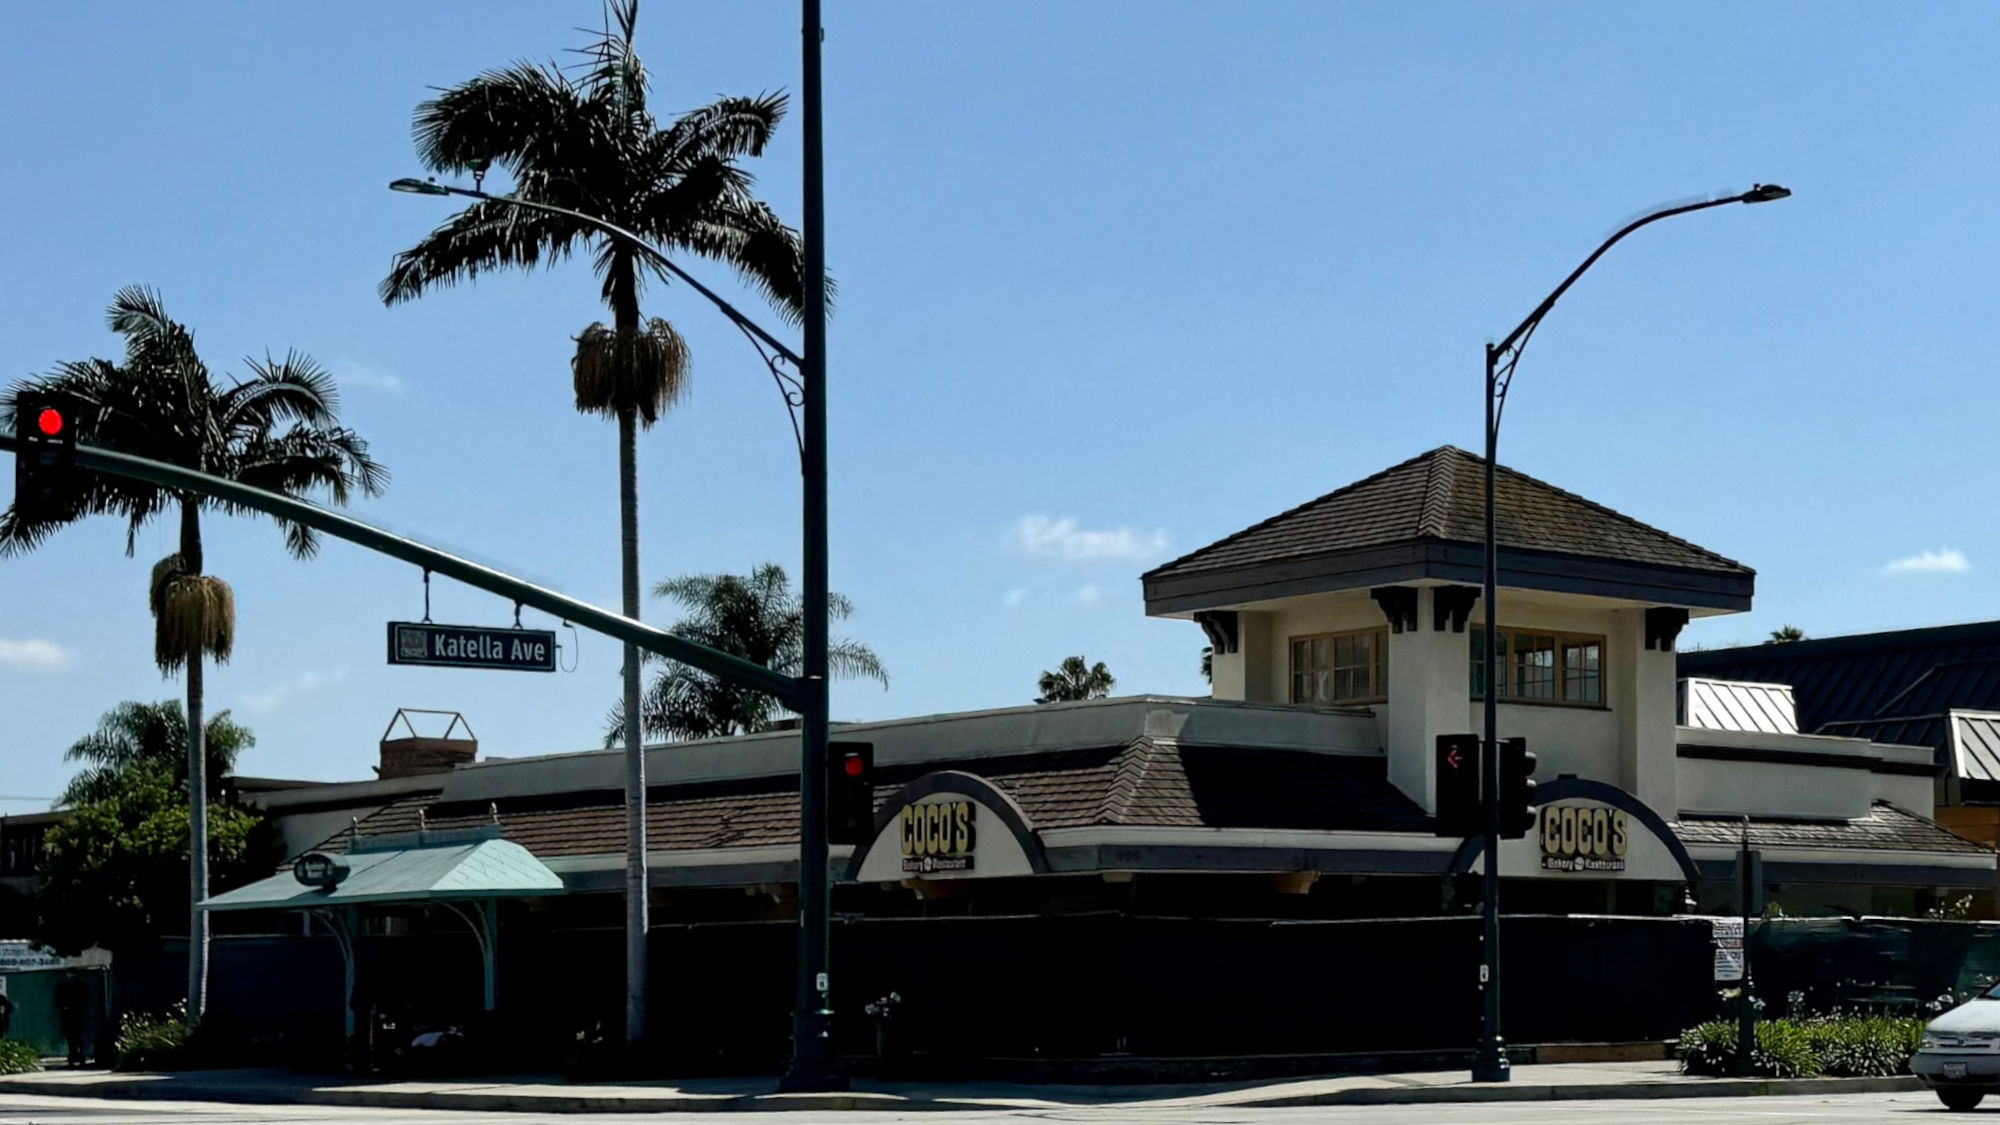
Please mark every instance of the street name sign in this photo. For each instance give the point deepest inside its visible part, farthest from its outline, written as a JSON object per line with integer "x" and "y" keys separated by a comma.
{"x": 472, "y": 646}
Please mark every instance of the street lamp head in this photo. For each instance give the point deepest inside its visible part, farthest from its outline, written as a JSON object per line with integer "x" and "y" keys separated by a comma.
{"x": 417, "y": 187}
{"x": 1765, "y": 193}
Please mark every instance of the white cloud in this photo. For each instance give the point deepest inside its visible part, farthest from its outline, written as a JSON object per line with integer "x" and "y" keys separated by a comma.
{"x": 1947, "y": 561}
{"x": 35, "y": 656}
{"x": 1014, "y": 598}
{"x": 367, "y": 376}
{"x": 275, "y": 696}
{"x": 1088, "y": 595}
{"x": 1040, "y": 535}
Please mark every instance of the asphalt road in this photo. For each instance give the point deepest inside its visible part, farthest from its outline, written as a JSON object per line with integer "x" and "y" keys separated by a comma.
{"x": 1680, "y": 1111}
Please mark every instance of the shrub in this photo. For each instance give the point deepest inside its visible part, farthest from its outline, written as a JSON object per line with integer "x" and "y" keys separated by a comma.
{"x": 154, "y": 1041}
{"x": 1865, "y": 1047}
{"x": 18, "y": 1058}
{"x": 1844, "y": 1046}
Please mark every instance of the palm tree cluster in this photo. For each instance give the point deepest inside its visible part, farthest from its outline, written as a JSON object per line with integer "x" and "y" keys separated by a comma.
{"x": 278, "y": 429}
{"x": 757, "y": 617}
{"x": 133, "y": 734}
{"x": 1074, "y": 679}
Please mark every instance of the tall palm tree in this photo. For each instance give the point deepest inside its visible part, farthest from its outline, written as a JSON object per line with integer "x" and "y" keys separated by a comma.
{"x": 1786, "y": 635}
{"x": 588, "y": 142}
{"x": 150, "y": 732}
{"x": 754, "y": 616}
{"x": 278, "y": 430}
{"x": 1075, "y": 679}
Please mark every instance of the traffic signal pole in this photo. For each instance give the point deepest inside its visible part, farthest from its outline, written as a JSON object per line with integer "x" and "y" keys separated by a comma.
{"x": 1489, "y": 1061}
{"x": 812, "y": 1066}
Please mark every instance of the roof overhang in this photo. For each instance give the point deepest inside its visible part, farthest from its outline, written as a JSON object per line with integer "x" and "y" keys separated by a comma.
{"x": 427, "y": 872}
{"x": 1178, "y": 592}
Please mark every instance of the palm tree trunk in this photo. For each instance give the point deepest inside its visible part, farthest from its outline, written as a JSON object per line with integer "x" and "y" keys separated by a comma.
{"x": 197, "y": 955}
{"x": 638, "y": 924}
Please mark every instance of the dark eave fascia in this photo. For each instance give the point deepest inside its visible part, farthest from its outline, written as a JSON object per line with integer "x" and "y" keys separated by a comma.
{"x": 1448, "y": 561}
{"x": 1717, "y": 753}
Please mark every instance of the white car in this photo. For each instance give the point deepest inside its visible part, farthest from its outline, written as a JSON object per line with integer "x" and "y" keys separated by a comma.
{"x": 1960, "y": 1056}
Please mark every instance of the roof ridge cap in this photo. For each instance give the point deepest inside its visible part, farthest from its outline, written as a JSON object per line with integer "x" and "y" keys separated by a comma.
{"x": 1615, "y": 513}
{"x": 1438, "y": 492}
{"x": 1296, "y": 508}
{"x": 1116, "y": 807}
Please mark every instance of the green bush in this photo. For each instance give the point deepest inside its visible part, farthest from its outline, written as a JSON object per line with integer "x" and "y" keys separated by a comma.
{"x": 18, "y": 1058}
{"x": 1842, "y": 1046}
{"x": 154, "y": 1041}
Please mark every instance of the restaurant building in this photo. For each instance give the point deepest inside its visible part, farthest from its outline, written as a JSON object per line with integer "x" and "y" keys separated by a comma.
{"x": 1023, "y": 843}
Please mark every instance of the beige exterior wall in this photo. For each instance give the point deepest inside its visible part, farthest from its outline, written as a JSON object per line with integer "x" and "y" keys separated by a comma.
{"x": 1631, "y": 741}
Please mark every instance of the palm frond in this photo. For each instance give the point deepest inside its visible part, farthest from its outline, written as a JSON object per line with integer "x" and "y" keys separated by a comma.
{"x": 726, "y": 127}
{"x": 521, "y": 117}
{"x": 480, "y": 239}
{"x": 294, "y": 389}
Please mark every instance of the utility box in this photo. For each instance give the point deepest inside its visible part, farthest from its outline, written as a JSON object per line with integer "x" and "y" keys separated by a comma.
{"x": 412, "y": 753}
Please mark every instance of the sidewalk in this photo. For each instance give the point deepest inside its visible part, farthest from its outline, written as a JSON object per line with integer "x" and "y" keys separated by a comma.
{"x": 1537, "y": 1082}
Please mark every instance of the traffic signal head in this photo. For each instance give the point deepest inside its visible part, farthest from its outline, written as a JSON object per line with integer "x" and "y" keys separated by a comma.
{"x": 45, "y": 456}
{"x": 1459, "y": 813}
{"x": 1517, "y": 788}
{"x": 850, "y": 793}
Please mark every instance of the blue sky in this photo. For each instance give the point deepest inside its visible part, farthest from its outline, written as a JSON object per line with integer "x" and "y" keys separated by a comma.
{"x": 1116, "y": 280}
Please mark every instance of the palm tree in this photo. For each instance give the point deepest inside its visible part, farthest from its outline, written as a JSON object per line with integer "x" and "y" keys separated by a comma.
{"x": 1208, "y": 663}
{"x": 277, "y": 430}
{"x": 1786, "y": 635}
{"x": 132, "y": 732}
{"x": 1075, "y": 679}
{"x": 589, "y": 143}
{"x": 754, "y": 616}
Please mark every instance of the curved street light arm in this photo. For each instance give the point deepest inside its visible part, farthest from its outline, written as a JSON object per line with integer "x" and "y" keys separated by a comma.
{"x": 1761, "y": 193}
{"x": 659, "y": 257}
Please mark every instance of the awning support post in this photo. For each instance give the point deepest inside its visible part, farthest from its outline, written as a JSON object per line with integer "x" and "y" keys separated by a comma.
{"x": 340, "y": 923}
{"x": 484, "y": 920}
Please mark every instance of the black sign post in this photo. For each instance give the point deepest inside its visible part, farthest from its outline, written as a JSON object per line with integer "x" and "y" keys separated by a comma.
{"x": 472, "y": 646}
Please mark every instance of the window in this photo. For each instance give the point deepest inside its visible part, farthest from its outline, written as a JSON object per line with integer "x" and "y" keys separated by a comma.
{"x": 1340, "y": 667}
{"x": 1541, "y": 667}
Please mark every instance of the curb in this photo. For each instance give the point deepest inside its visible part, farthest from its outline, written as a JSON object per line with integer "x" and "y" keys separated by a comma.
{"x": 1594, "y": 1091}
{"x": 498, "y": 1102}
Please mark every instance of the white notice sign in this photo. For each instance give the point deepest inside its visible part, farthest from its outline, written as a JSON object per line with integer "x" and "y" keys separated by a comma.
{"x": 1728, "y": 935}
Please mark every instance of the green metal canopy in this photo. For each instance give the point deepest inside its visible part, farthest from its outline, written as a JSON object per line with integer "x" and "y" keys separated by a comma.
{"x": 465, "y": 872}
{"x": 420, "y": 871}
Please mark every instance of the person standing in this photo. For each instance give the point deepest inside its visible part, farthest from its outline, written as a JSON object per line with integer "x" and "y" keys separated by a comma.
{"x": 72, "y": 1005}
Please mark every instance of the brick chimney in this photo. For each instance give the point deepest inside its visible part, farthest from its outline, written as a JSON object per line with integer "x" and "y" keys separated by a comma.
{"x": 414, "y": 754}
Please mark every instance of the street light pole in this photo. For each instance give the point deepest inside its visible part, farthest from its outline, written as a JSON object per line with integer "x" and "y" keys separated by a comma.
{"x": 812, "y": 1046}
{"x": 1489, "y": 1061}
{"x": 812, "y": 1065}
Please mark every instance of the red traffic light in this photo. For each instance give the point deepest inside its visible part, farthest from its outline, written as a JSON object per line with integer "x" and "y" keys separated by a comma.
{"x": 50, "y": 420}
{"x": 853, "y": 765}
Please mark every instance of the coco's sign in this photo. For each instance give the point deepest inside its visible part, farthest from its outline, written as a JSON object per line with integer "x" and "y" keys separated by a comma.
{"x": 939, "y": 836}
{"x": 320, "y": 869}
{"x": 1589, "y": 838}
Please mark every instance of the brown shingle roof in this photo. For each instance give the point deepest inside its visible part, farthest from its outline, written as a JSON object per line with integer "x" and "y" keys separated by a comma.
{"x": 1886, "y": 828}
{"x": 1143, "y": 783}
{"x": 1441, "y": 495}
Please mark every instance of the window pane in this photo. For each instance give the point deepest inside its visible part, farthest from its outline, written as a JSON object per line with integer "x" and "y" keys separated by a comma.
{"x": 1583, "y": 676}
{"x": 1534, "y": 666}
{"x": 1479, "y": 657}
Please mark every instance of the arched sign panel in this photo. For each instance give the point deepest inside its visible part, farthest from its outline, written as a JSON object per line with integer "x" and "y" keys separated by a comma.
{"x": 948, "y": 825}
{"x": 1589, "y": 830}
